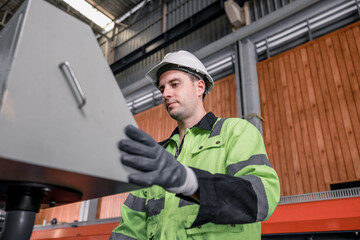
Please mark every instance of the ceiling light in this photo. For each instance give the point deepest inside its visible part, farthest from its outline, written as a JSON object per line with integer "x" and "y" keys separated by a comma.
{"x": 92, "y": 13}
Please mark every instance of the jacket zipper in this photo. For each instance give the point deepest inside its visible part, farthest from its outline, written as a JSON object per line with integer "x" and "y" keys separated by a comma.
{"x": 178, "y": 150}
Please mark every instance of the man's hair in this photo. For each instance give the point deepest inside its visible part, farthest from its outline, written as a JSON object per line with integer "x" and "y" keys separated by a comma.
{"x": 194, "y": 79}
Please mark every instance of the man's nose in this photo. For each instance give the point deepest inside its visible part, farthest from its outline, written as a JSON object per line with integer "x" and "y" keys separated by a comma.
{"x": 166, "y": 92}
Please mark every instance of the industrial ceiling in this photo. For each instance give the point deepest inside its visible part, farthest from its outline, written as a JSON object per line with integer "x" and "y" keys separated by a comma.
{"x": 114, "y": 9}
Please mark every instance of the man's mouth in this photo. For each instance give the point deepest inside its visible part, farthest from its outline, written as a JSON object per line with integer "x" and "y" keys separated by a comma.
{"x": 170, "y": 103}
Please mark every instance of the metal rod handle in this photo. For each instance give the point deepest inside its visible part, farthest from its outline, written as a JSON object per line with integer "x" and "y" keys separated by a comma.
{"x": 75, "y": 81}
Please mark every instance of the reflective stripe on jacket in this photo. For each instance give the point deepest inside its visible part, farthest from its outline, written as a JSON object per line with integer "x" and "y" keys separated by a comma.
{"x": 238, "y": 187}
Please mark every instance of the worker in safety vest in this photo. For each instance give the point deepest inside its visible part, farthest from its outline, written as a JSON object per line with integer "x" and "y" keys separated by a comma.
{"x": 210, "y": 180}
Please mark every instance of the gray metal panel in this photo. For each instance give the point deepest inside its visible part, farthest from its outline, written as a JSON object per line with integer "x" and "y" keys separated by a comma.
{"x": 45, "y": 137}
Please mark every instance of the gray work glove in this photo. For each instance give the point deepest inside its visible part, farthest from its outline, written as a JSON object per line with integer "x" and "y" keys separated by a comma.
{"x": 156, "y": 165}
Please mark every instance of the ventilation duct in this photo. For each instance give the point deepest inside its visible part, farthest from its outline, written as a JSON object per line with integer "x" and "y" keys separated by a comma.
{"x": 309, "y": 29}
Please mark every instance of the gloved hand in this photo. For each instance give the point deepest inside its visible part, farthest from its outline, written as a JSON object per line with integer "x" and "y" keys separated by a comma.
{"x": 156, "y": 165}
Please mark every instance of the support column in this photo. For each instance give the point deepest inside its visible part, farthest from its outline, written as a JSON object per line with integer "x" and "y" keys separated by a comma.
{"x": 249, "y": 85}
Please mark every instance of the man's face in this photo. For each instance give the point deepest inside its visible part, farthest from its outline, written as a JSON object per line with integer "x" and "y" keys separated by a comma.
{"x": 180, "y": 94}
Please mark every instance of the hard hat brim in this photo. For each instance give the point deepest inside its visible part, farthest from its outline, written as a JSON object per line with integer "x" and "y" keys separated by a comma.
{"x": 187, "y": 60}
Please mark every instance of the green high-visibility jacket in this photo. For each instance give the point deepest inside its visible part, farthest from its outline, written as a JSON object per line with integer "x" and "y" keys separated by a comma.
{"x": 238, "y": 187}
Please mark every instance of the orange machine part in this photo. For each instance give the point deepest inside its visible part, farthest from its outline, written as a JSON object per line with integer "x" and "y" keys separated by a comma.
{"x": 88, "y": 232}
{"x": 320, "y": 216}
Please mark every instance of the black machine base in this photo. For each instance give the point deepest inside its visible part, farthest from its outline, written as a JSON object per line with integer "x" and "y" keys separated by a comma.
{"x": 22, "y": 202}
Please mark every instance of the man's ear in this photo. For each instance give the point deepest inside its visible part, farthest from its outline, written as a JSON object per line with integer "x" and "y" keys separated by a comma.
{"x": 201, "y": 87}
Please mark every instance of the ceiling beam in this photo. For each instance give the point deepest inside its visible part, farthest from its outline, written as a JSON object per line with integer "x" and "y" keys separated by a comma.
{"x": 101, "y": 9}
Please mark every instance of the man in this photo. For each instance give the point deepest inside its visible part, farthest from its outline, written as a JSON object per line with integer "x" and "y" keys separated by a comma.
{"x": 210, "y": 180}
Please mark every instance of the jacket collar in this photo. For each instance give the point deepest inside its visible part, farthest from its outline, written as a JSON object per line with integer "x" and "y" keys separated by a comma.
{"x": 206, "y": 123}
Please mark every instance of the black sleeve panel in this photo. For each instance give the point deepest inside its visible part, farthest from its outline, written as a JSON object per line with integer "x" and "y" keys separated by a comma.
{"x": 225, "y": 199}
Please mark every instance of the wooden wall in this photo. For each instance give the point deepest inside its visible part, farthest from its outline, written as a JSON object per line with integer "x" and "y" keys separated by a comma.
{"x": 66, "y": 213}
{"x": 155, "y": 121}
{"x": 311, "y": 102}
{"x": 109, "y": 207}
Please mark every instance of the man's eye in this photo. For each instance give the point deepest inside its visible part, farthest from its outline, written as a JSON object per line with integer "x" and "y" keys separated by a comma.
{"x": 175, "y": 84}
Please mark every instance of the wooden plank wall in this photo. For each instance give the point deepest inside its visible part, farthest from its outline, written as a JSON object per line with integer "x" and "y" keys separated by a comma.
{"x": 155, "y": 121}
{"x": 66, "y": 213}
{"x": 108, "y": 207}
{"x": 311, "y": 102}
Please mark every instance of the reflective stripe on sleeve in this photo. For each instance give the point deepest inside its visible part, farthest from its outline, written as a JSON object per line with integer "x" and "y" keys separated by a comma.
{"x": 262, "y": 201}
{"x": 135, "y": 203}
{"x": 155, "y": 206}
{"x": 120, "y": 236}
{"x": 259, "y": 159}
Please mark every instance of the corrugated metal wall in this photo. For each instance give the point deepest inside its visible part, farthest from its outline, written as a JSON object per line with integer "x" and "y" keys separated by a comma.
{"x": 261, "y": 8}
{"x": 137, "y": 71}
{"x": 179, "y": 10}
{"x": 202, "y": 37}
{"x": 151, "y": 26}
{"x": 145, "y": 28}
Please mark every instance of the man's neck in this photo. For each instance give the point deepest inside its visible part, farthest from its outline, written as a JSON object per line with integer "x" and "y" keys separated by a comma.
{"x": 189, "y": 122}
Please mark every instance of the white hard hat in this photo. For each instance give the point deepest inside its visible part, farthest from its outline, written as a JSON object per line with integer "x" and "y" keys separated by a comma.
{"x": 182, "y": 61}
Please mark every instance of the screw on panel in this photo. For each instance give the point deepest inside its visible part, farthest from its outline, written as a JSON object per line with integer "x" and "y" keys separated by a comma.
{"x": 52, "y": 204}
